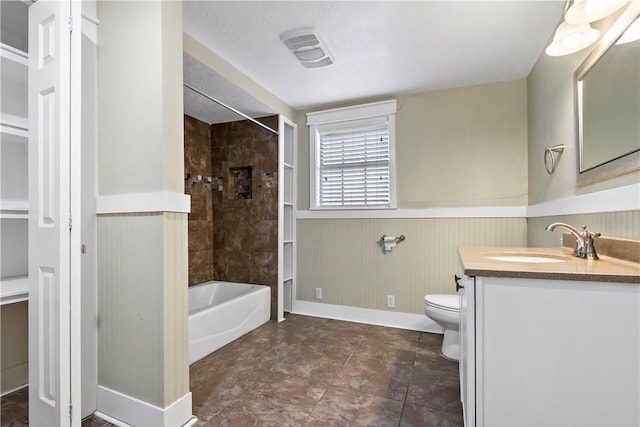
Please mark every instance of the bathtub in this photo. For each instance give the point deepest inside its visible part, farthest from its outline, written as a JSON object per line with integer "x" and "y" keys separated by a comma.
{"x": 220, "y": 312}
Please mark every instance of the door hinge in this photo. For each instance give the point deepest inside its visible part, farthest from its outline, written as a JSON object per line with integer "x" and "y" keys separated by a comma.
{"x": 70, "y": 414}
{"x": 70, "y": 222}
{"x": 70, "y": 23}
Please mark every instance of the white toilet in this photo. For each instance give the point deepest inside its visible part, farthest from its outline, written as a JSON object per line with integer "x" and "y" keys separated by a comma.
{"x": 445, "y": 311}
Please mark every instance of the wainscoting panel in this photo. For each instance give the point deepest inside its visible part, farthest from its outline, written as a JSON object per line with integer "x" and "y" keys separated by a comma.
{"x": 621, "y": 225}
{"x": 131, "y": 306}
{"x": 344, "y": 257}
{"x": 176, "y": 307}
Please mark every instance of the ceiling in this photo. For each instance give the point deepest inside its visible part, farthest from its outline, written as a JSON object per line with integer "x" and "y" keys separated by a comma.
{"x": 207, "y": 81}
{"x": 380, "y": 48}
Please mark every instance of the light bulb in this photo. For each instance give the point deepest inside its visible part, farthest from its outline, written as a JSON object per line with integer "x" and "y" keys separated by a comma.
{"x": 585, "y": 11}
{"x": 571, "y": 38}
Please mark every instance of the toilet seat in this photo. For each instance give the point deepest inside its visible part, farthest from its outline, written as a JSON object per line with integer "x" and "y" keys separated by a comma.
{"x": 443, "y": 302}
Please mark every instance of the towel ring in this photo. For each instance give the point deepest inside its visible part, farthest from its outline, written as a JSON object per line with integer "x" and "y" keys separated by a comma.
{"x": 550, "y": 152}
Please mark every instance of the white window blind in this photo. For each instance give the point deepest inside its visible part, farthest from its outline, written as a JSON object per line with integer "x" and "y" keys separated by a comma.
{"x": 352, "y": 157}
{"x": 354, "y": 167}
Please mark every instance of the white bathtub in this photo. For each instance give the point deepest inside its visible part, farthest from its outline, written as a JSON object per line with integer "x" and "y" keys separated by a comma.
{"x": 220, "y": 312}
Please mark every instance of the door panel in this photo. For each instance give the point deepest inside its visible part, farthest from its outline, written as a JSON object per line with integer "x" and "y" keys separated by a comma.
{"x": 52, "y": 270}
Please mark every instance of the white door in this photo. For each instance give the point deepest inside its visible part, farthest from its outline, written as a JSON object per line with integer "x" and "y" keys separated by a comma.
{"x": 54, "y": 247}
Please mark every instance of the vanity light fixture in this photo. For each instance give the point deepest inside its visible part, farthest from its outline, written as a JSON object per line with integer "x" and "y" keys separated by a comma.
{"x": 307, "y": 47}
{"x": 570, "y": 38}
{"x": 585, "y": 11}
{"x": 575, "y": 32}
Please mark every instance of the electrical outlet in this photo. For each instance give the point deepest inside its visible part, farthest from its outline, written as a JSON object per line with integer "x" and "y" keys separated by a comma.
{"x": 318, "y": 293}
{"x": 391, "y": 301}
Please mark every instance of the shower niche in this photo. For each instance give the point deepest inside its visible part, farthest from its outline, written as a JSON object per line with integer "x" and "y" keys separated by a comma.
{"x": 240, "y": 183}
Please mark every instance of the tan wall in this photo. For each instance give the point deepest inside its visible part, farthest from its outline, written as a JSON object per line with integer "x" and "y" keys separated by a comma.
{"x": 344, "y": 258}
{"x": 463, "y": 147}
{"x": 455, "y": 147}
{"x": 552, "y": 121}
{"x": 140, "y": 90}
{"x": 14, "y": 348}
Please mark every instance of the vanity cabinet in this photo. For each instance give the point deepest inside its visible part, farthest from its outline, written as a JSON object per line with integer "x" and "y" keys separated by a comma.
{"x": 549, "y": 352}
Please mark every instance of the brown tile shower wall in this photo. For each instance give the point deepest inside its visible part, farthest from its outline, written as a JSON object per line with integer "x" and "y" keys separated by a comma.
{"x": 197, "y": 161}
{"x": 245, "y": 230}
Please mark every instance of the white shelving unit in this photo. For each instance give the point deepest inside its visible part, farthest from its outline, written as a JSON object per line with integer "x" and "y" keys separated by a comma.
{"x": 287, "y": 218}
{"x": 14, "y": 195}
{"x": 13, "y": 290}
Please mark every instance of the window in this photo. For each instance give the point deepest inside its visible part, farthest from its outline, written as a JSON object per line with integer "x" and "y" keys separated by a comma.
{"x": 352, "y": 157}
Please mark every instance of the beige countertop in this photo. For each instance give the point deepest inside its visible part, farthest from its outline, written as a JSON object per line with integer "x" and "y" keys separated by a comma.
{"x": 476, "y": 262}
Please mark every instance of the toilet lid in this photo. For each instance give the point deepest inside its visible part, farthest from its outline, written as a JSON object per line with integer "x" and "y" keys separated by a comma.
{"x": 447, "y": 302}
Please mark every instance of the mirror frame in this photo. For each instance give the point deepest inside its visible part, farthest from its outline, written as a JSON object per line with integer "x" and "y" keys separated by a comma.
{"x": 620, "y": 165}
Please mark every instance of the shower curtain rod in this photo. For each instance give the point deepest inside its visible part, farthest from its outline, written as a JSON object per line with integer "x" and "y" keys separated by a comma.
{"x": 222, "y": 104}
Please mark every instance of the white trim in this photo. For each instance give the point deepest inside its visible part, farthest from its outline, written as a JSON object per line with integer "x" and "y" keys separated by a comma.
{"x": 119, "y": 423}
{"x": 14, "y": 390}
{"x": 354, "y": 112}
{"x": 111, "y": 420}
{"x": 135, "y": 412}
{"x": 415, "y": 322}
{"x": 476, "y": 212}
{"x": 144, "y": 202}
{"x": 618, "y": 199}
{"x": 91, "y": 19}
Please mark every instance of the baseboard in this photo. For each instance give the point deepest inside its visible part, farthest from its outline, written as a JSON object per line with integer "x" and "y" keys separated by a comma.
{"x": 130, "y": 411}
{"x": 415, "y": 322}
{"x": 15, "y": 377}
{"x": 4, "y": 393}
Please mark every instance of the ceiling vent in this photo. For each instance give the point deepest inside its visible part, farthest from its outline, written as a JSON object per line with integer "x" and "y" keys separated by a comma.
{"x": 307, "y": 47}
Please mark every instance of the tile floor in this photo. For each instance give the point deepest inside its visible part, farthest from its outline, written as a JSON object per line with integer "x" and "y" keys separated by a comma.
{"x": 309, "y": 371}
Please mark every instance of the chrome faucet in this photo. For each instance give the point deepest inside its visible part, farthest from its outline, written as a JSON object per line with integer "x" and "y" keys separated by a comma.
{"x": 584, "y": 247}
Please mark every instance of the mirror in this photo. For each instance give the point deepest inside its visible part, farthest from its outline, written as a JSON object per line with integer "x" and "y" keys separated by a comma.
{"x": 608, "y": 105}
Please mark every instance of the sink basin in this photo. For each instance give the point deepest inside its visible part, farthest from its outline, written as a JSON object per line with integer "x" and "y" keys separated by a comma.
{"x": 526, "y": 257}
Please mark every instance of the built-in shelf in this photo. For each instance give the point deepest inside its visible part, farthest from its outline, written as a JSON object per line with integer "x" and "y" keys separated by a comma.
{"x": 15, "y": 56}
{"x": 288, "y": 166}
{"x": 13, "y": 133}
{"x": 287, "y": 242}
{"x": 14, "y": 206}
{"x": 14, "y": 215}
{"x": 14, "y": 289}
{"x": 13, "y": 109}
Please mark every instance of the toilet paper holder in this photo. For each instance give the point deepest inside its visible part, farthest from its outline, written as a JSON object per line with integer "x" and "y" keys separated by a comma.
{"x": 399, "y": 239}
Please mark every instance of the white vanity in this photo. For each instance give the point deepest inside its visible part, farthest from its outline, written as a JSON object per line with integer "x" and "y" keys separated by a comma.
{"x": 548, "y": 339}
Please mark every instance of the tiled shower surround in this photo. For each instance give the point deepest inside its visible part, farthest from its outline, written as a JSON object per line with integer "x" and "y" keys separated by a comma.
{"x": 197, "y": 161}
{"x": 232, "y": 237}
